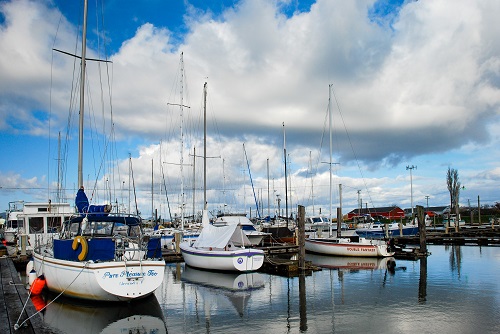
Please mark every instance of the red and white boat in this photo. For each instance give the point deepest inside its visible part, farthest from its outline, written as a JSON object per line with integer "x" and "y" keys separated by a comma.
{"x": 353, "y": 246}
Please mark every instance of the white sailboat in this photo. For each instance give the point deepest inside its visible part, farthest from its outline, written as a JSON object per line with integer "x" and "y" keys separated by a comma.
{"x": 220, "y": 248}
{"x": 223, "y": 248}
{"x": 256, "y": 237}
{"x": 348, "y": 246}
{"x": 99, "y": 256}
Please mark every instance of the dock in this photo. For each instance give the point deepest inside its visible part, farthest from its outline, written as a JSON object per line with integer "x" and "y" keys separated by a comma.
{"x": 12, "y": 299}
{"x": 465, "y": 236}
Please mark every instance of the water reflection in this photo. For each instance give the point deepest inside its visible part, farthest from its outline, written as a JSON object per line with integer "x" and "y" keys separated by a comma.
{"x": 66, "y": 315}
{"x": 422, "y": 282}
{"x": 219, "y": 287}
{"x": 455, "y": 258}
{"x": 302, "y": 303}
{"x": 351, "y": 262}
{"x": 425, "y": 295}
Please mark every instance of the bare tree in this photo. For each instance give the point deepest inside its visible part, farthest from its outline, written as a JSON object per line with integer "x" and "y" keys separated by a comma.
{"x": 454, "y": 188}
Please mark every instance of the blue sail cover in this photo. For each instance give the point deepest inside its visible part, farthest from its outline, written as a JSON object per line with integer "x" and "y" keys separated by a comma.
{"x": 82, "y": 203}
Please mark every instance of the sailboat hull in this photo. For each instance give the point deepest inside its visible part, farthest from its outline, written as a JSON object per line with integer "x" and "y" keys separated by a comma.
{"x": 344, "y": 247}
{"x": 246, "y": 259}
{"x": 105, "y": 281}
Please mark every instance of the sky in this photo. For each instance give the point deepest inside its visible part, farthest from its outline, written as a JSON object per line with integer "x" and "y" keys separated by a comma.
{"x": 412, "y": 88}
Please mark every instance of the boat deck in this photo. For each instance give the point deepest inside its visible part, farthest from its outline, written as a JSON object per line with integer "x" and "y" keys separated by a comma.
{"x": 12, "y": 298}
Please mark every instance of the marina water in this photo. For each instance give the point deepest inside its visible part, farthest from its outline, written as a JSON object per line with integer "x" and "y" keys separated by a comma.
{"x": 455, "y": 290}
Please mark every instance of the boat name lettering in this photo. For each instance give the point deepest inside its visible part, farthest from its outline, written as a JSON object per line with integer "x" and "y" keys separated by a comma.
{"x": 107, "y": 274}
{"x": 130, "y": 274}
{"x": 356, "y": 249}
{"x": 152, "y": 272}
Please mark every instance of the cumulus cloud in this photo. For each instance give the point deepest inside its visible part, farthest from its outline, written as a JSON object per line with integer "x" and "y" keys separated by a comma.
{"x": 418, "y": 79}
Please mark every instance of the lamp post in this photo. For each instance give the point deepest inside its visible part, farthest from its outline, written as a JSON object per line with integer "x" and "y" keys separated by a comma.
{"x": 411, "y": 186}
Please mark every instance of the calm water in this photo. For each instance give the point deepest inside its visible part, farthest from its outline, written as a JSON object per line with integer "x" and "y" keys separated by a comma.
{"x": 456, "y": 291}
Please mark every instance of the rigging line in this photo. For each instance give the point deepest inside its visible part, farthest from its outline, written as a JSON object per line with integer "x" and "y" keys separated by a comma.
{"x": 350, "y": 143}
{"x": 50, "y": 107}
{"x": 133, "y": 185}
{"x": 17, "y": 326}
{"x": 251, "y": 181}
{"x": 166, "y": 193}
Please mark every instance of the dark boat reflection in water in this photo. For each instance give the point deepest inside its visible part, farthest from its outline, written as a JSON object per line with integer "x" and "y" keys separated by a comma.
{"x": 220, "y": 287}
{"x": 65, "y": 315}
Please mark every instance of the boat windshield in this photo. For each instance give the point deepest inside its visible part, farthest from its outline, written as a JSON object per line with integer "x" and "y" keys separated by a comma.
{"x": 99, "y": 228}
{"x": 248, "y": 228}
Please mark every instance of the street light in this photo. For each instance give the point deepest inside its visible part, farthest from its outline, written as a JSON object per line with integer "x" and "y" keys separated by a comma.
{"x": 411, "y": 186}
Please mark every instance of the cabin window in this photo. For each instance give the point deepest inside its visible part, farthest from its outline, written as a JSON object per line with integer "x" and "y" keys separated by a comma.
{"x": 54, "y": 224}
{"x": 99, "y": 228}
{"x": 36, "y": 224}
{"x": 73, "y": 229}
{"x": 43, "y": 209}
{"x": 135, "y": 231}
{"x": 16, "y": 223}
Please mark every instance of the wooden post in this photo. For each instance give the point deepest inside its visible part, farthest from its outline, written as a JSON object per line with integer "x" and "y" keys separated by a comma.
{"x": 421, "y": 229}
{"x": 339, "y": 222}
{"x": 479, "y": 210}
{"x": 301, "y": 237}
{"x": 24, "y": 242}
{"x": 177, "y": 238}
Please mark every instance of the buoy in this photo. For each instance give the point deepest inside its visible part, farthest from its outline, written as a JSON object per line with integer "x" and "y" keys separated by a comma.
{"x": 29, "y": 266}
{"x": 38, "y": 285}
{"x": 38, "y": 302}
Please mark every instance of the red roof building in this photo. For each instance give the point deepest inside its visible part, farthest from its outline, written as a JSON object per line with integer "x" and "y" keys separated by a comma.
{"x": 388, "y": 212}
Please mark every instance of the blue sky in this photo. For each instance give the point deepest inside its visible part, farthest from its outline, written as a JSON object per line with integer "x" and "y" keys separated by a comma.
{"x": 416, "y": 83}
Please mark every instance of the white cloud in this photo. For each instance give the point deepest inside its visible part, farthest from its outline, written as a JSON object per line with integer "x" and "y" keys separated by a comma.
{"x": 426, "y": 82}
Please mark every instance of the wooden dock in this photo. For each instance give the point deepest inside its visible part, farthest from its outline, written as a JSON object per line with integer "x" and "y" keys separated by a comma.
{"x": 466, "y": 236}
{"x": 12, "y": 298}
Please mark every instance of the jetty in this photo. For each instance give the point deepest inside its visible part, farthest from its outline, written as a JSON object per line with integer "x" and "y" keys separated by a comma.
{"x": 14, "y": 304}
{"x": 474, "y": 236}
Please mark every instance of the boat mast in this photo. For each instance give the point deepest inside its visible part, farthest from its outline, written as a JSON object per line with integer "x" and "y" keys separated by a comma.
{"x": 268, "y": 195}
{"x": 312, "y": 181}
{"x": 330, "y": 162}
{"x": 205, "y": 146}
{"x": 82, "y": 95}
{"x": 286, "y": 177}
{"x": 194, "y": 180}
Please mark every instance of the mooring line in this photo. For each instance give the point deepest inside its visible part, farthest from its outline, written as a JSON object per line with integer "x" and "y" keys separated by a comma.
{"x": 17, "y": 326}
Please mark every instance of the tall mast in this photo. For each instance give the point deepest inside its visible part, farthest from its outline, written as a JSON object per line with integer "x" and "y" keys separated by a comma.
{"x": 312, "y": 181}
{"x": 82, "y": 95}
{"x": 286, "y": 176}
{"x": 205, "y": 146}
{"x": 194, "y": 180}
{"x": 59, "y": 174}
{"x": 330, "y": 162}
{"x": 268, "y": 195}
{"x": 182, "y": 140}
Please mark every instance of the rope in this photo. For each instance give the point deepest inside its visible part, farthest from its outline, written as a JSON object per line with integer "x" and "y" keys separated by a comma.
{"x": 17, "y": 326}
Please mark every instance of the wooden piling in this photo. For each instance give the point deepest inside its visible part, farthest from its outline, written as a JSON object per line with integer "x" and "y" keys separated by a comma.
{"x": 302, "y": 236}
{"x": 421, "y": 229}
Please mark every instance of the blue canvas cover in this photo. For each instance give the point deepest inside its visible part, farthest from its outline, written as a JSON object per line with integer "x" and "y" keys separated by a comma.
{"x": 99, "y": 250}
